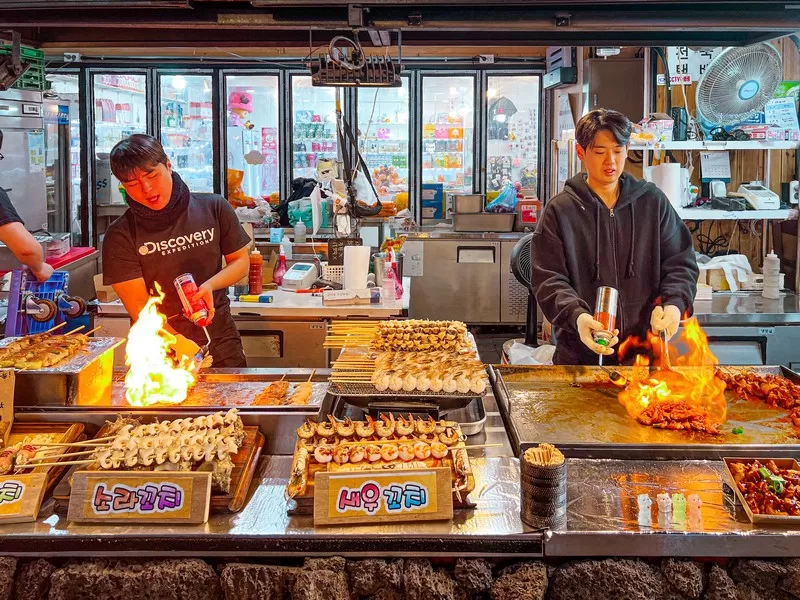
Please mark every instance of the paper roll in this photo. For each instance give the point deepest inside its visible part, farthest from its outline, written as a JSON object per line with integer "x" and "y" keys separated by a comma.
{"x": 668, "y": 179}
{"x": 356, "y": 267}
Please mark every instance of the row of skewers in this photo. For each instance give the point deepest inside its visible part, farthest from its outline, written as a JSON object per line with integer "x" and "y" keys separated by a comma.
{"x": 372, "y": 444}
{"x": 412, "y": 335}
{"x": 205, "y": 443}
{"x": 277, "y": 393}
{"x": 43, "y": 349}
{"x": 440, "y": 371}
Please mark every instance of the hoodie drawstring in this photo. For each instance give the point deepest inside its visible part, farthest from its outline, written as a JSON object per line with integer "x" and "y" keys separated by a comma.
{"x": 631, "y": 256}
{"x": 597, "y": 242}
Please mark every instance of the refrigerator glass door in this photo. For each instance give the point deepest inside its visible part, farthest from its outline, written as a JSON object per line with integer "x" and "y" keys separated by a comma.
{"x": 56, "y": 139}
{"x": 512, "y": 131}
{"x": 68, "y": 90}
{"x": 253, "y": 152}
{"x": 383, "y": 122}
{"x": 448, "y": 121}
{"x": 22, "y": 173}
{"x": 313, "y": 126}
{"x": 186, "y": 115}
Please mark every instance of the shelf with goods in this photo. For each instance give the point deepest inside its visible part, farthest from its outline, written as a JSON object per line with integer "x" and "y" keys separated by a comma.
{"x": 708, "y": 214}
{"x": 713, "y": 145}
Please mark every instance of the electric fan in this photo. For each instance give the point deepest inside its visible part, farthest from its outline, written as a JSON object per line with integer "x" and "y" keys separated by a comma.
{"x": 737, "y": 84}
{"x": 521, "y": 261}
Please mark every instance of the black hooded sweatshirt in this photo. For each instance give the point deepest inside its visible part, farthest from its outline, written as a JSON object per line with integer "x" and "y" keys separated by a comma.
{"x": 640, "y": 247}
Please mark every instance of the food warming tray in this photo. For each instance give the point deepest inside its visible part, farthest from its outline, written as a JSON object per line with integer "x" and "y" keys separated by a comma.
{"x": 84, "y": 378}
{"x": 576, "y": 409}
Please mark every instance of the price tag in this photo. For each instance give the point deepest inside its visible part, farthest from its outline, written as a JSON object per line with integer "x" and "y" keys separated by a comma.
{"x": 380, "y": 497}
{"x": 141, "y": 497}
{"x": 21, "y": 497}
{"x": 6, "y": 404}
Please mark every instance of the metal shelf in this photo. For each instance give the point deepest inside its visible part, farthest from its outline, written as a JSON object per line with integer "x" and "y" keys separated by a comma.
{"x": 712, "y": 145}
{"x": 707, "y": 214}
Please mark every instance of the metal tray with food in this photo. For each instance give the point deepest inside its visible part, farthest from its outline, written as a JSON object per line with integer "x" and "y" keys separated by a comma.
{"x": 296, "y": 390}
{"x": 218, "y": 443}
{"x": 388, "y": 443}
{"x": 767, "y": 488}
{"x": 578, "y": 410}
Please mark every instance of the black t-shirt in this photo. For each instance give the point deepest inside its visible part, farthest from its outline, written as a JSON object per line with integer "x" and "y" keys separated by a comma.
{"x": 8, "y": 214}
{"x": 194, "y": 242}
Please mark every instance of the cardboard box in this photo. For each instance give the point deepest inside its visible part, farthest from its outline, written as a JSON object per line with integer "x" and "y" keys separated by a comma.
{"x": 351, "y": 297}
{"x": 105, "y": 293}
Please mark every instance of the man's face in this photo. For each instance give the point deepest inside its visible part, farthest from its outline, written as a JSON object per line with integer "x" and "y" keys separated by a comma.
{"x": 604, "y": 159}
{"x": 152, "y": 188}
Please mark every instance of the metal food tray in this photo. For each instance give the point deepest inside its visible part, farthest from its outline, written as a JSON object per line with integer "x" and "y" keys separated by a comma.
{"x": 84, "y": 378}
{"x": 576, "y": 409}
{"x": 235, "y": 388}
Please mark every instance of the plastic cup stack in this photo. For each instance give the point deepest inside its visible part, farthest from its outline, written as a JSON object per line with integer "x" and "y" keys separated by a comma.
{"x": 543, "y": 479}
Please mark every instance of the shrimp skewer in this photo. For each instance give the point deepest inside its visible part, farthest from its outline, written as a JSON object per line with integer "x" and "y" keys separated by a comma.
{"x": 385, "y": 428}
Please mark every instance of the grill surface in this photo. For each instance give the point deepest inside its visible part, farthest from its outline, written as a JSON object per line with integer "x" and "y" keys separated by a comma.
{"x": 576, "y": 409}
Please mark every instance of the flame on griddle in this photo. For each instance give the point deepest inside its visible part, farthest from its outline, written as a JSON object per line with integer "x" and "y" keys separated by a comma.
{"x": 696, "y": 385}
{"x": 153, "y": 376}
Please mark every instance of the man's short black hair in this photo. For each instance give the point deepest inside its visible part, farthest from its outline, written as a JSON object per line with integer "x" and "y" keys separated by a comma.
{"x": 601, "y": 119}
{"x": 139, "y": 152}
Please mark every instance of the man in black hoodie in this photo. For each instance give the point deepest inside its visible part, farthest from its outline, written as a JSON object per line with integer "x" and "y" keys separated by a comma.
{"x": 609, "y": 228}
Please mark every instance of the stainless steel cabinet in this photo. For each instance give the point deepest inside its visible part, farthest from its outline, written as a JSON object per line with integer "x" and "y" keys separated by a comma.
{"x": 289, "y": 344}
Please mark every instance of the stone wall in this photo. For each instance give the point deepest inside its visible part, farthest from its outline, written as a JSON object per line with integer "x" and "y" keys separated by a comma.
{"x": 409, "y": 579}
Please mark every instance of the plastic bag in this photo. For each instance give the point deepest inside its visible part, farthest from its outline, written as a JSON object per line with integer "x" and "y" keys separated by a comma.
{"x": 365, "y": 193}
{"x": 506, "y": 201}
{"x": 301, "y": 210}
{"x": 520, "y": 354}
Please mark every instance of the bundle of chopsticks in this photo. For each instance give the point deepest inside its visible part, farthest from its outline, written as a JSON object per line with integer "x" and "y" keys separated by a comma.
{"x": 43, "y": 349}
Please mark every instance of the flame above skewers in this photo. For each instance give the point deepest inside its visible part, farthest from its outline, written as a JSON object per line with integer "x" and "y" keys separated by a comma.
{"x": 153, "y": 376}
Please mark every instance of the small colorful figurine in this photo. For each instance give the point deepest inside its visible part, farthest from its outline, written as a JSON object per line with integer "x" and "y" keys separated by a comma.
{"x": 645, "y": 503}
{"x": 679, "y": 507}
{"x": 664, "y": 503}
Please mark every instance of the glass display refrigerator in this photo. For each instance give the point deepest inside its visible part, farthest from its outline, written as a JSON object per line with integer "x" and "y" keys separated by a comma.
{"x": 186, "y": 126}
{"x": 63, "y": 155}
{"x": 512, "y": 131}
{"x": 384, "y": 138}
{"x": 120, "y": 109}
{"x": 252, "y": 136}
{"x": 448, "y": 131}
{"x": 313, "y": 112}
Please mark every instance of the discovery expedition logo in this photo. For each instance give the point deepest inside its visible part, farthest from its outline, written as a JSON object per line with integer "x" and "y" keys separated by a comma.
{"x": 178, "y": 244}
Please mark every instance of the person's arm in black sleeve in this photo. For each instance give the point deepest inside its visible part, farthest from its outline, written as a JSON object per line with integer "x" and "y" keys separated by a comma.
{"x": 551, "y": 284}
{"x": 679, "y": 270}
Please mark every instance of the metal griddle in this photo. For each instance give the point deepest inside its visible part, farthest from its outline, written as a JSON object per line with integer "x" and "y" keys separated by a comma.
{"x": 576, "y": 409}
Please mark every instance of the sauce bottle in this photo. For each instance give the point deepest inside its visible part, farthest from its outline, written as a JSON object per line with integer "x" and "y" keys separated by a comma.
{"x": 280, "y": 268}
{"x": 255, "y": 279}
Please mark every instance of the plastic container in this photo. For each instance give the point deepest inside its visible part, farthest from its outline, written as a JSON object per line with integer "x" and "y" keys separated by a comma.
{"x": 300, "y": 231}
{"x": 772, "y": 276}
{"x": 388, "y": 282}
{"x": 255, "y": 279}
{"x": 286, "y": 247}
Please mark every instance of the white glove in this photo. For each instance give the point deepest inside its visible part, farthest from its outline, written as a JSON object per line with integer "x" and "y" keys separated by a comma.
{"x": 586, "y": 325}
{"x": 665, "y": 318}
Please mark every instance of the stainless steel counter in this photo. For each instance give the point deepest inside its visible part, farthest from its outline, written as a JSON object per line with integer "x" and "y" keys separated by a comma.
{"x": 433, "y": 233}
{"x": 747, "y": 308}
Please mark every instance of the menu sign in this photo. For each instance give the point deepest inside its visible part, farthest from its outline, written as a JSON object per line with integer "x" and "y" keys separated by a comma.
{"x": 128, "y": 496}
{"x": 6, "y": 404}
{"x": 380, "y": 497}
{"x": 21, "y": 497}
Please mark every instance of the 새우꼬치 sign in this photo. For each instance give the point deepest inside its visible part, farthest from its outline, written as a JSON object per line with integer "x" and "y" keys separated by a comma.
{"x": 140, "y": 497}
{"x": 350, "y": 497}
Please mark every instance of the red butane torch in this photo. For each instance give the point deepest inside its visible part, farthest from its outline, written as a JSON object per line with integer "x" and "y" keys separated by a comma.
{"x": 197, "y": 312}
{"x": 605, "y": 312}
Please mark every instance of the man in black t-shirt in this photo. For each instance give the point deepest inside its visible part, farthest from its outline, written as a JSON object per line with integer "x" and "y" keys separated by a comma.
{"x": 168, "y": 231}
{"x": 19, "y": 240}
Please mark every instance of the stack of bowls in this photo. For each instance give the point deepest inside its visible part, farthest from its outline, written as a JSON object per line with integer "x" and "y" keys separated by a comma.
{"x": 543, "y": 481}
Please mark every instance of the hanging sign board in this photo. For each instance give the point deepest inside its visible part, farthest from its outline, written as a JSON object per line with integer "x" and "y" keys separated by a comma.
{"x": 349, "y": 497}
{"x": 6, "y": 404}
{"x": 21, "y": 497}
{"x": 336, "y": 248}
{"x": 139, "y": 497}
{"x": 687, "y": 66}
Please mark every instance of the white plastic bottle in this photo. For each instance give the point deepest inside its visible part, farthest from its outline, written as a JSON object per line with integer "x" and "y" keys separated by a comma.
{"x": 300, "y": 233}
{"x": 388, "y": 284}
{"x": 772, "y": 276}
{"x": 286, "y": 244}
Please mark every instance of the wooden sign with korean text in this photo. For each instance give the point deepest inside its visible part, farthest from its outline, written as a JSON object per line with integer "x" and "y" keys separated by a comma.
{"x": 21, "y": 497}
{"x": 383, "y": 496}
{"x": 336, "y": 248}
{"x": 6, "y": 404}
{"x": 139, "y": 497}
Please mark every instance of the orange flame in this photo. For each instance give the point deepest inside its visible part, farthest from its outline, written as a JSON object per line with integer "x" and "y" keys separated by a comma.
{"x": 696, "y": 384}
{"x": 153, "y": 377}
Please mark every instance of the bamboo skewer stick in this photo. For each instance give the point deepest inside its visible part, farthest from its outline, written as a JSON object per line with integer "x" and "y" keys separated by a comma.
{"x": 55, "y": 456}
{"x": 54, "y": 464}
{"x": 310, "y": 377}
{"x": 90, "y": 443}
{"x": 76, "y": 330}
{"x": 59, "y": 326}
{"x": 90, "y": 332}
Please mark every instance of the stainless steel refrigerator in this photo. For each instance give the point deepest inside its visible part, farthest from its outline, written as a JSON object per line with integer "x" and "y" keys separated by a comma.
{"x": 22, "y": 155}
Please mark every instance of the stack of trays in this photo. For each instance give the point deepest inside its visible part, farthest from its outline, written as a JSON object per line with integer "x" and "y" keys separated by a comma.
{"x": 544, "y": 487}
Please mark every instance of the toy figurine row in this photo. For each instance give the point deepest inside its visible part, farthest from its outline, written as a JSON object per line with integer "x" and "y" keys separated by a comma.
{"x": 670, "y": 508}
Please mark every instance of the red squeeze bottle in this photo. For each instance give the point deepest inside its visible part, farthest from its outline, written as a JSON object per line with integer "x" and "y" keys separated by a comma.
{"x": 256, "y": 278}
